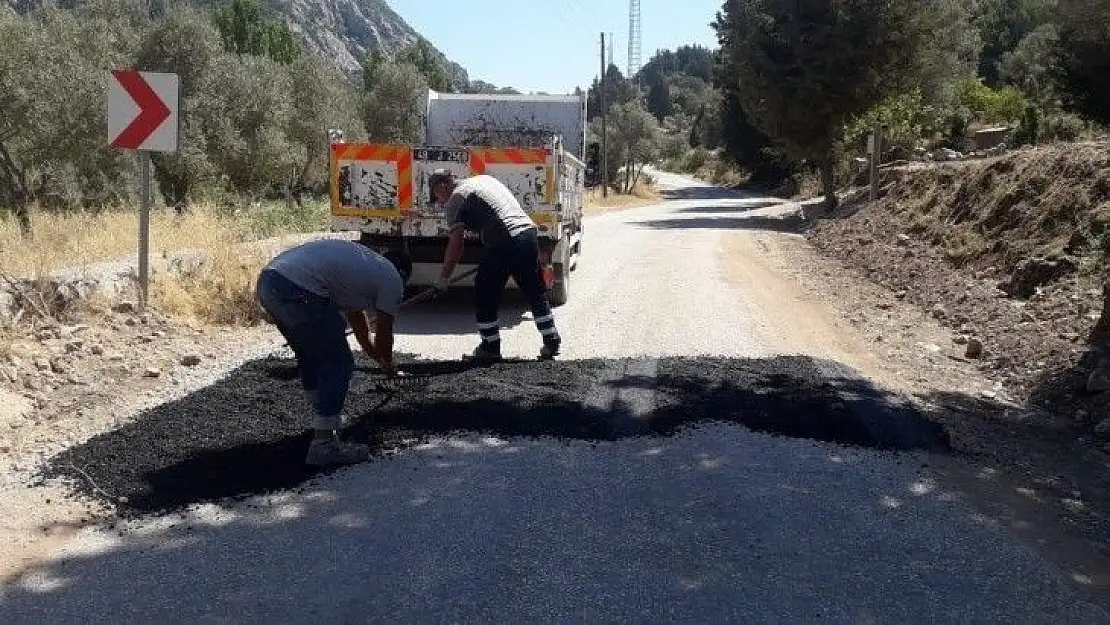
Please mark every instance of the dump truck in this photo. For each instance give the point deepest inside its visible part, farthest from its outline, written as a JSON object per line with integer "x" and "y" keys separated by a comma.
{"x": 534, "y": 144}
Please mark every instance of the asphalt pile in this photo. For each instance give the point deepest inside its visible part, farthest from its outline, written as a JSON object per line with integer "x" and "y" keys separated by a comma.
{"x": 247, "y": 434}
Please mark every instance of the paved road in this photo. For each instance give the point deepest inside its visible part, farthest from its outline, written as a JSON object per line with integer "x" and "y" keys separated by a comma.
{"x": 720, "y": 524}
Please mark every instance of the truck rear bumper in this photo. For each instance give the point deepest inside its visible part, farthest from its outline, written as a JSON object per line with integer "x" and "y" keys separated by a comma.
{"x": 427, "y": 258}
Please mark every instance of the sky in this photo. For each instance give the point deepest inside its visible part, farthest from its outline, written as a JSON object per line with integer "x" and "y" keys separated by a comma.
{"x": 552, "y": 45}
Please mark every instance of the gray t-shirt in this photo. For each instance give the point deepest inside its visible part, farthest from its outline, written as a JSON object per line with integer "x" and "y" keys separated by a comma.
{"x": 484, "y": 205}
{"x": 352, "y": 276}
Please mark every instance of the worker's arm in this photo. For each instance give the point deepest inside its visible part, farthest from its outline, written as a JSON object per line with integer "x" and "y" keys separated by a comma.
{"x": 453, "y": 211}
{"x": 383, "y": 341}
{"x": 380, "y": 347}
{"x": 361, "y": 328}
{"x": 452, "y": 255}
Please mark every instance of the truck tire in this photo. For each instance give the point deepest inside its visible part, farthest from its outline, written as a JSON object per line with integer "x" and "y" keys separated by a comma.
{"x": 558, "y": 293}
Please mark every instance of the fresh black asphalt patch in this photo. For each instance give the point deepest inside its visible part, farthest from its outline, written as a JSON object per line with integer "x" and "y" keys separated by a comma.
{"x": 247, "y": 434}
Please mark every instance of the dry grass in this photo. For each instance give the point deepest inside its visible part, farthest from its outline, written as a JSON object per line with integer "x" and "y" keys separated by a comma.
{"x": 642, "y": 195}
{"x": 218, "y": 290}
{"x": 74, "y": 239}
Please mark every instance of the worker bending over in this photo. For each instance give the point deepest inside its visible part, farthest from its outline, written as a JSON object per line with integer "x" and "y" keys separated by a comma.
{"x": 312, "y": 291}
{"x": 484, "y": 205}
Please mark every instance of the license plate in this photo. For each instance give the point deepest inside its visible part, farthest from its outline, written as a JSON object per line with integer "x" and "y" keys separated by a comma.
{"x": 443, "y": 155}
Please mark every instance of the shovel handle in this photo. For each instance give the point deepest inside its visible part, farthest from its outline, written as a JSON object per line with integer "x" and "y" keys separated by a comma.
{"x": 419, "y": 297}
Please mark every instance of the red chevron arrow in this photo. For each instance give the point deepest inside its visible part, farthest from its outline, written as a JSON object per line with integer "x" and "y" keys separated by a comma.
{"x": 152, "y": 110}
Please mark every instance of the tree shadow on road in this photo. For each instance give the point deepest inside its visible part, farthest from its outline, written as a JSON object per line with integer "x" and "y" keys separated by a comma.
{"x": 789, "y": 224}
{"x": 729, "y": 208}
{"x": 708, "y": 193}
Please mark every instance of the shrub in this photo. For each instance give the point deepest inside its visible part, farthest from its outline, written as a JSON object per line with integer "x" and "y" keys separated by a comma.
{"x": 907, "y": 118}
{"x": 1064, "y": 127}
{"x": 988, "y": 105}
{"x": 1029, "y": 130}
{"x": 696, "y": 159}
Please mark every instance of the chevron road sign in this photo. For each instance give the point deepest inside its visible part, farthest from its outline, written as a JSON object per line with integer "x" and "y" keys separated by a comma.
{"x": 143, "y": 111}
{"x": 143, "y": 116}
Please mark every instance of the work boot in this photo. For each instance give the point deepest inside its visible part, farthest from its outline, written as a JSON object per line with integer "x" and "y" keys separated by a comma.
{"x": 550, "y": 348}
{"x": 485, "y": 352}
{"x": 332, "y": 451}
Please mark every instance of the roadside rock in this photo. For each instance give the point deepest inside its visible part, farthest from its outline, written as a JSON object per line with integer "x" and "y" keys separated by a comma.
{"x": 1100, "y": 378}
{"x": 60, "y": 365}
{"x": 1035, "y": 272}
{"x": 13, "y": 407}
{"x": 1103, "y": 429}
{"x": 974, "y": 348}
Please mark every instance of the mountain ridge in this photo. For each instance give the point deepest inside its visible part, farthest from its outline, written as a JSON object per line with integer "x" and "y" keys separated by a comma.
{"x": 342, "y": 31}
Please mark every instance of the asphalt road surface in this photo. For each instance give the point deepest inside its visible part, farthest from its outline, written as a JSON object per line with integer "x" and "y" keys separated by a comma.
{"x": 667, "y": 467}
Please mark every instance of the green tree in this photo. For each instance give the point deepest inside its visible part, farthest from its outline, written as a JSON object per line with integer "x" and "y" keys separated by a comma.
{"x": 744, "y": 144}
{"x": 1001, "y": 25}
{"x": 320, "y": 101}
{"x": 659, "y": 100}
{"x": 618, "y": 90}
{"x": 802, "y": 74}
{"x": 634, "y": 140}
{"x": 371, "y": 65}
{"x": 1028, "y": 66}
{"x": 186, "y": 43}
{"x": 244, "y": 29}
{"x": 393, "y": 109}
{"x": 52, "y": 99}
{"x": 420, "y": 55}
{"x": 1082, "y": 59}
{"x": 244, "y": 118}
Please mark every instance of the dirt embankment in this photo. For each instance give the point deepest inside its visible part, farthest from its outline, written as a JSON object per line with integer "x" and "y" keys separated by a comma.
{"x": 1012, "y": 254}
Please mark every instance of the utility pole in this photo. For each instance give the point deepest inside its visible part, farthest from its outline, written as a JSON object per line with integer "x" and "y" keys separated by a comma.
{"x": 604, "y": 130}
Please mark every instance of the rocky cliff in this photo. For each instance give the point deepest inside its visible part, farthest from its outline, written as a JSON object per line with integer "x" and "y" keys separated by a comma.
{"x": 344, "y": 31}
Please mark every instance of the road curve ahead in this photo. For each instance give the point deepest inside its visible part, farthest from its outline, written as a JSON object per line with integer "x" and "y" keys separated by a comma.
{"x": 668, "y": 467}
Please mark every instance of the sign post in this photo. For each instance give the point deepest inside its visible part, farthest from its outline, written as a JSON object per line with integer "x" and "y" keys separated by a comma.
{"x": 143, "y": 116}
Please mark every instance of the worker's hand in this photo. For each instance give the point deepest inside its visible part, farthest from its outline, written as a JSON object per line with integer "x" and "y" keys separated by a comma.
{"x": 442, "y": 285}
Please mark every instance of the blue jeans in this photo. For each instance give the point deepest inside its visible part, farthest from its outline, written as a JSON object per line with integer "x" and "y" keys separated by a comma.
{"x": 518, "y": 257}
{"x": 317, "y": 332}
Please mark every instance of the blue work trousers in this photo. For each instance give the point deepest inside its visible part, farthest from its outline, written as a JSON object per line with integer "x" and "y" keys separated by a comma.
{"x": 317, "y": 332}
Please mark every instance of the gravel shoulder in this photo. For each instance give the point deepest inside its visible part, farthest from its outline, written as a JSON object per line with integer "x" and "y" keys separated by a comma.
{"x": 1024, "y": 468}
